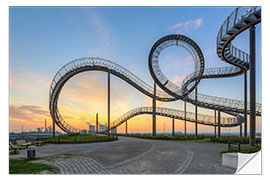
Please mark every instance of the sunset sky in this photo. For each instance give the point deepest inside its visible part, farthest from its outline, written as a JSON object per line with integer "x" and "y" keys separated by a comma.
{"x": 43, "y": 39}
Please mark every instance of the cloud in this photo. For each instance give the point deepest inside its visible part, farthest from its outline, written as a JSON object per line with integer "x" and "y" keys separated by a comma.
{"x": 28, "y": 116}
{"x": 32, "y": 117}
{"x": 178, "y": 79}
{"x": 28, "y": 87}
{"x": 182, "y": 27}
{"x": 209, "y": 52}
{"x": 102, "y": 34}
{"x": 88, "y": 91}
{"x": 102, "y": 27}
{"x": 27, "y": 111}
{"x": 179, "y": 63}
{"x": 22, "y": 79}
{"x": 176, "y": 68}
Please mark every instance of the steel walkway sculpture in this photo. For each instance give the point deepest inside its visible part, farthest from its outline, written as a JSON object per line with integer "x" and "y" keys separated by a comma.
{"x": 238, "y": 21}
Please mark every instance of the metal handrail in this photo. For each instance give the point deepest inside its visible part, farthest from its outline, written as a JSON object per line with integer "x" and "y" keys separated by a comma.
{"x": 234, "y": 56}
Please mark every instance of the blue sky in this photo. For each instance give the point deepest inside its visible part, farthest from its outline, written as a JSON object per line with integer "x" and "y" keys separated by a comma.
{"x": 43, "y": 39}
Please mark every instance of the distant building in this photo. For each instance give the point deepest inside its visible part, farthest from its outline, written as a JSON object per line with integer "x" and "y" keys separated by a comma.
{"x": 13, "y": 135}
{"x": 84, "y": 131}
{"x": 102, "y": 128}
{"x": 49, "y": 129}
{"x": 91, "y": 129}
{"x": 114, "y": 131}
{"x": 31, "y": 136}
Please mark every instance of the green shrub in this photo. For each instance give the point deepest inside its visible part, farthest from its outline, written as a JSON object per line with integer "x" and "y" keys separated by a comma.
{"x": 25, "y": 166}
{"x": 226, "y": 139}
{"x": 244, "y": 148}
{"x": 82, "y": 138}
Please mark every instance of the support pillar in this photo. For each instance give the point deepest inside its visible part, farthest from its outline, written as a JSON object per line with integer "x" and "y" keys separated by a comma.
{"x": 215, "y": 124}
{"x": 96, "y": 123}
{"x": 218, "y": 123}
{"x": 154, "y": 112}
{"x": 252, "y": 86}
{"x": 109, "y": 103}
{"x": 245, "y": 104}
{"x": 126, "y": 128}
{"x": 196, "y": 114}
{"x": 240, "y": 130}
{"x": 185, "y": 109}
{"x": 173, "y": 127}
{"x": 53, "y": 127}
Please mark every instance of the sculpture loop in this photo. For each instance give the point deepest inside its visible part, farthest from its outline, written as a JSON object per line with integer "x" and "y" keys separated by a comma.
{"x": 238, "y": 21}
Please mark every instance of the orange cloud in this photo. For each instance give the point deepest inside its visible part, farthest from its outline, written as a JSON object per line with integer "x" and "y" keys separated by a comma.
{"x": 28, "y": 116}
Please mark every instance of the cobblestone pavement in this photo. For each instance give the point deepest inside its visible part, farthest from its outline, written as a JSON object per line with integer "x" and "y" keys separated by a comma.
{"x": 134, "y": 156}
{"x": 76, "y": 165}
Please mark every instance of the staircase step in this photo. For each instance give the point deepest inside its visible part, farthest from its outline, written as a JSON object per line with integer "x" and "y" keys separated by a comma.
{"x": 232, "y": 31}
{"x": 251, "y": 18}
{"x": 258, "y": 13}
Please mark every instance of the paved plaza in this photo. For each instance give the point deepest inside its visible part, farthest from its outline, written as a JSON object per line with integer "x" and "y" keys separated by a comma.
{"x": 134, "y": 156}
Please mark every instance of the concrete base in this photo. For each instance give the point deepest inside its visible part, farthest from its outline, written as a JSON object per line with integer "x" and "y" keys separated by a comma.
{"x": 230, "y": 160}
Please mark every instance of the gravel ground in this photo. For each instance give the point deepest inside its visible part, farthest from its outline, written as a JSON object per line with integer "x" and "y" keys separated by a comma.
{"x": 134, "y": 156}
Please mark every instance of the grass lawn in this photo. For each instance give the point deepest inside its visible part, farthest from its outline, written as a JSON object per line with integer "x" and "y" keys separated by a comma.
{"x": 81, "y": 138}
{"x": 13, "y": 153}
{"x": 26, "y": 166}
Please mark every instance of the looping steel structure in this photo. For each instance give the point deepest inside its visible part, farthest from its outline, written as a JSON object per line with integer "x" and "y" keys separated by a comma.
{"x": 197, "y": 56}
{"x": 238, "y": 21}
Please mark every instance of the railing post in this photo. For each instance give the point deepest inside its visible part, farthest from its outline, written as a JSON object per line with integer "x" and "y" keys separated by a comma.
{"x": 109, "y": 104}
{"x": 154, "y": 112}
{"x": 236, "y": 11}
{"x": 252, "y": 85}
{"x": 228, "y": 19}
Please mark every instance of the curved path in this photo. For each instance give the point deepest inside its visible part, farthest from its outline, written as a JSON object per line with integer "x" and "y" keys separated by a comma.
{"x": 135, "y": 156}
{"x": 238, "y": 21}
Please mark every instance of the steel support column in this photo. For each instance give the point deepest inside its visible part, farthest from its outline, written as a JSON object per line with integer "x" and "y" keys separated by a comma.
{"x": 185, "y": 109}
{"x": 109, "y": 101}
{"x": 245, "y": 104}
{"x": 126, "y": 128}
{"x": 154, "y": 112}
{"x": 53, "y": 127}
{"x": 196, "y": 113}
{"x": 173, "y": 127}
{"x": 252, "y": 86}
{"x": 218, "y": 123}
{"x": 215, "y": 124}
{"x": 240, "y": 130}
{"x": 96, "y": 123}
